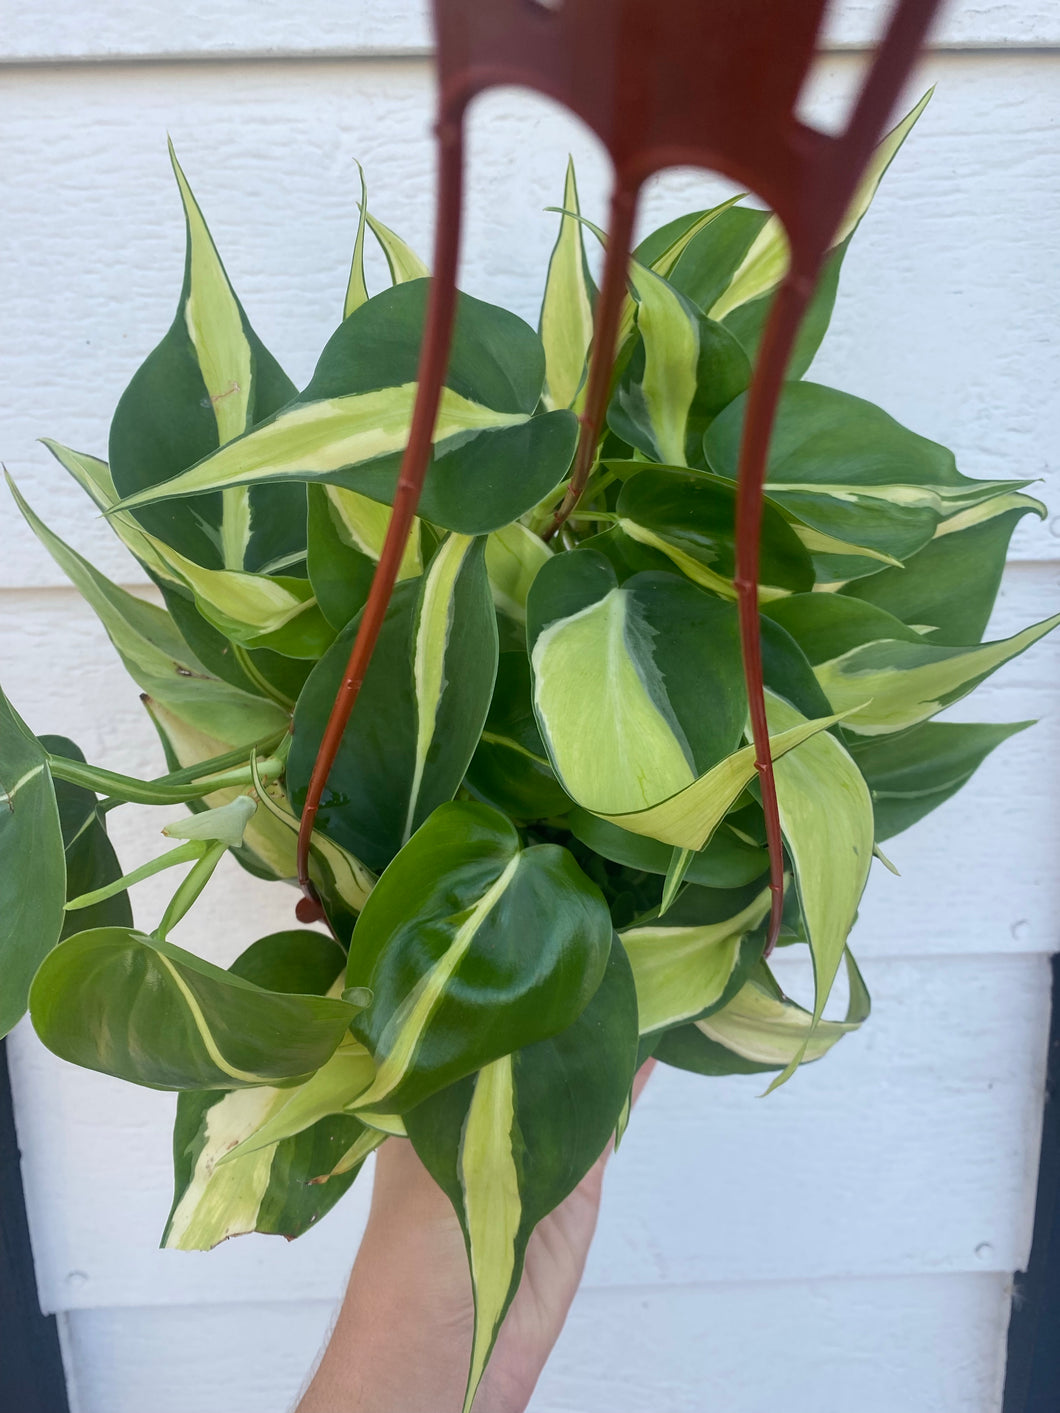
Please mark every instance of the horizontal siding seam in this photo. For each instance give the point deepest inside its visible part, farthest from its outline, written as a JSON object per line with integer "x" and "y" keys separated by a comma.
{"x": 345, "y": 54}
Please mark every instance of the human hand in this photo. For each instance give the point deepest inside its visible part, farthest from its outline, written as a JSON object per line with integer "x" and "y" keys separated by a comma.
{"x": 402, "y": 1342}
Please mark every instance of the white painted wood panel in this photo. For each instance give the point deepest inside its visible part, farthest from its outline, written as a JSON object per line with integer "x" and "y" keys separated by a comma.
{"x": 105, "y": 29}
{"x": 978, "y": 876}
{"x": 912, "y": 1149}
{"x": 946, "y": 315}
{"x": 835, "y": 1347}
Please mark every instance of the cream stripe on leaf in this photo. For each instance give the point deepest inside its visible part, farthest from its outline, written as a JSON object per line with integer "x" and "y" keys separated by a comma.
{"x": 225, "y": 1183}
{"x": 251, "y": 609}
{"x": 760, "y": 1030}
{"x": 638, "y": 686}
{"x": 420, "y": 713}
{"x": 350, "y": 425}
{"x": 356, "y": 289}
{"x": 682, "y": 372}
{"x": 32, "y": 862}
{"x": 442, "y": 947}
{"x": 508, "y": 1145}
{"x": 881, "y": 673}
{"x": 911, "y": 773}
{"x": 844, "y": 468}
{"x": 685, "y": 971}
{"x": 156, "y": 656}
{"x": 951, "y": 584}
{"x": 826, "y": 815}
{"x": 404, "y": 263}
{"x": 114, "y": 1000}
{"x": 739, "y": 269}
{"x": 510, "y": 768}
{"x": 346, "y": 533}
{"x": 566, "y": 323}
{"x": 690, "y": 517}
{"x": 207, "y": 383}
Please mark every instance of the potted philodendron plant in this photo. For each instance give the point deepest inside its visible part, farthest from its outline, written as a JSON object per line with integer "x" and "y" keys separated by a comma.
{"x": 541, "y": 853}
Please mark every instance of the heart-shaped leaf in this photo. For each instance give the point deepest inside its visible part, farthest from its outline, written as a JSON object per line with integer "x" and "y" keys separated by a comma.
{"x": 208, "y": 381}
{"x": 494, "y": 456}
{"x": 471, "y": 947}
{"x": 270, "y": 1188}
{"x": 420, "y": 712}
{"x": 143, "y": 1010}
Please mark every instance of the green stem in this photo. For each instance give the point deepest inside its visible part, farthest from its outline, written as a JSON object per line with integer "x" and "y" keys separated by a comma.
{"x": 231, "y": 769}
{"x": 183, "y": 853}
{"x": 190, "y": 888}
{"x": 264, "y": 686}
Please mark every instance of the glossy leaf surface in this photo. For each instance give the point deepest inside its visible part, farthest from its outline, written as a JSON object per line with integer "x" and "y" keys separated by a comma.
{"x": 881, "y": 674}
{"x": 471, "y": 947}
{"x": 418, "y": 718}
{"x": 207, "y": 381}
{"x": 144, "y": 1010}
{"x": 493, "y": 458}
{"x": 272, "y": 1190}
{"x": 510, "y": 1143}
{"x": 638, "y": 687}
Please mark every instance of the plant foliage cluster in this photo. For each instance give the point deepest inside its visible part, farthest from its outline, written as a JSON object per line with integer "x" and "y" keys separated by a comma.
{"x": 541, "y": 850}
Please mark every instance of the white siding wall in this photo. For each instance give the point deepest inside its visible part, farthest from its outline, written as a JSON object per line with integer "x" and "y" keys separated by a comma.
{"x": 847, "y": 1244}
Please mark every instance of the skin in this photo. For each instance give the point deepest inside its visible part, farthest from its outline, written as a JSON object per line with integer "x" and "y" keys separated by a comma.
{"x": 402, "y": 1340}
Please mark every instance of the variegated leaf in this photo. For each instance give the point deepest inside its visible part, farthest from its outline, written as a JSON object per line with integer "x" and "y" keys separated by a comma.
{"x": 766, "y": 260}
{"x": 913, "y": 772}
{"x": 494, "y": 456}
{"x": 217, "y": 1194}
{"x": 346, "y": 534}
{"x": 690, "y": 517}
{"x": 510, "y": 768}
{"x": 638, "y": 686}
{"x": 405, "y": 265}
{"x": 566, "y": 323}
{"x": 418, "y": 718}
{"x": 682, "y": 971}
{"x": 880, "y": 674}
{"x": 846, "y": 470}
{"x": 683, "y": 371}
{"x": 442, "y": 947}
{"x": 141, "y": 1009}
{"x": 947, "y": 590}
{"x": 207, "y": 382}
{"x": 509, "y": 1144}
{"x": 156, "y": 656}
{"x": 514, "y": 555}
{"x": 255, "y": 610}
{"x": 356, "y": 289}
{"x": 826, "y": 816}
{"x": 761, "y": 1030}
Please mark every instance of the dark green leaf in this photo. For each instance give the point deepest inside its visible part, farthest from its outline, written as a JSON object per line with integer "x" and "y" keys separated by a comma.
{"x": 143, "y": 1010}
{"x": 32, "y": 866}
{"x": 471, "y": 947}
{"x": 419, "y": 715}
{"x": 912, "y": 773}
